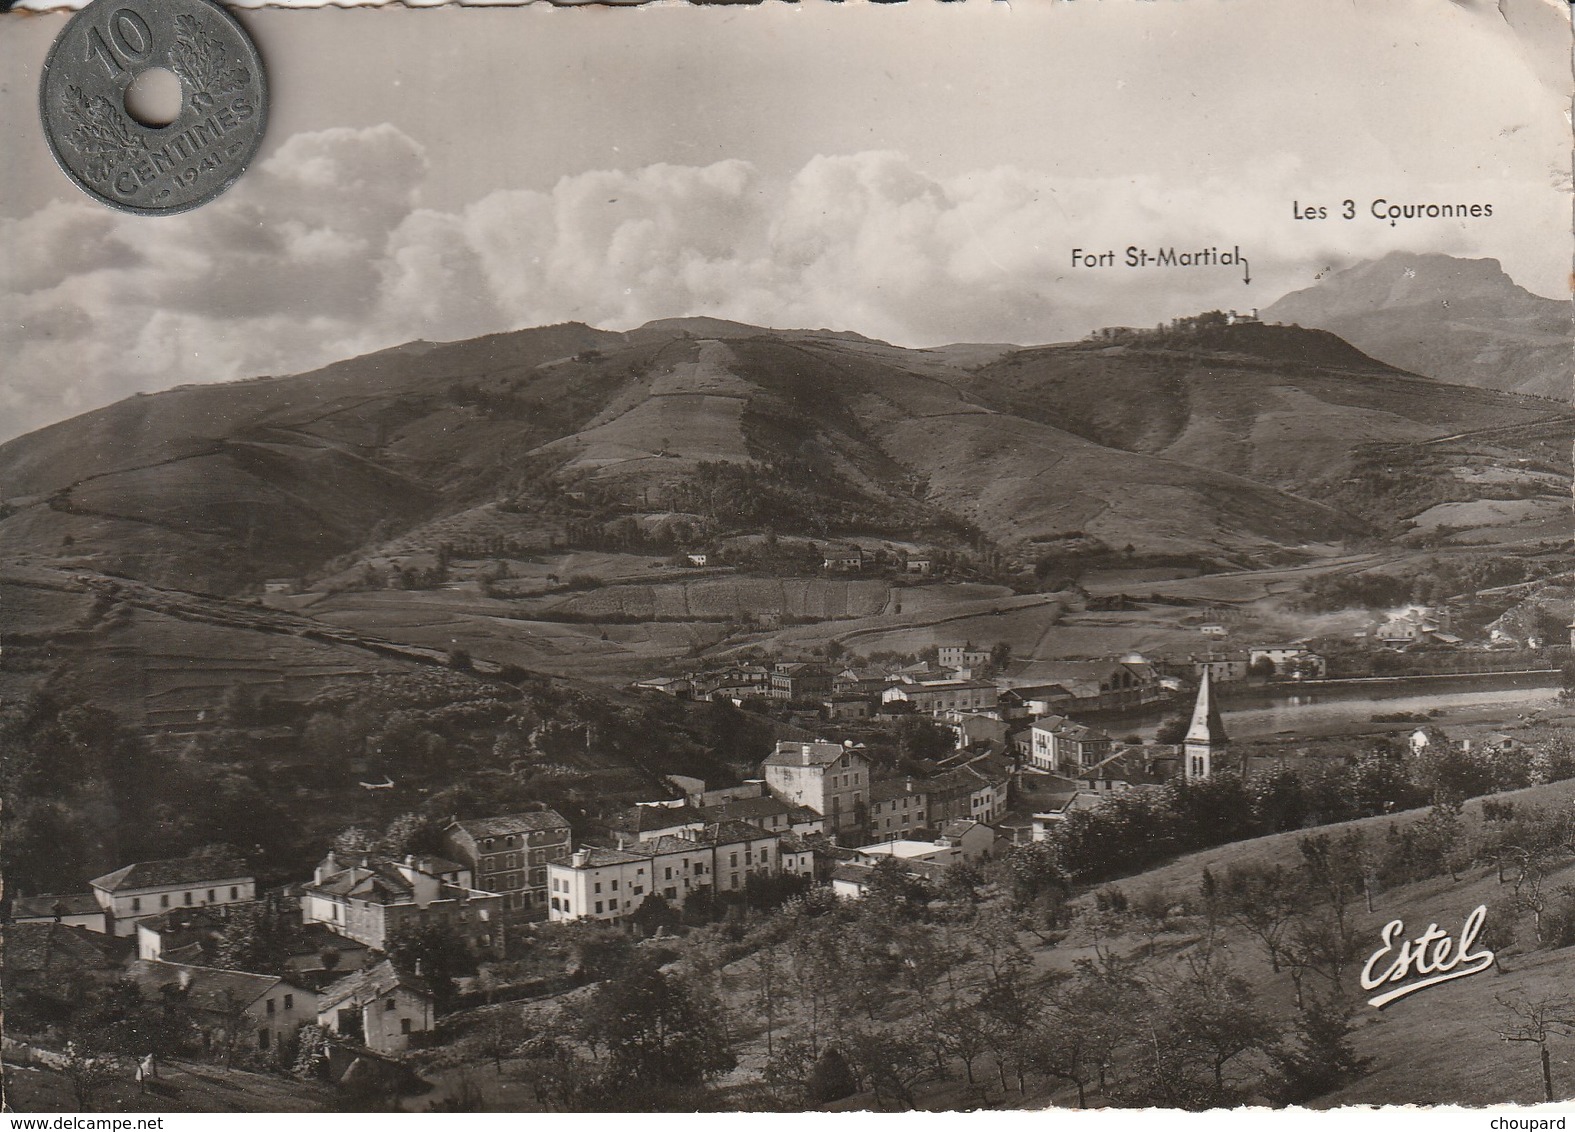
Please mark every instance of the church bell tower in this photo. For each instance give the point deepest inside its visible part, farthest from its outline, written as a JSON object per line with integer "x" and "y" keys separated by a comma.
{"x": 1206, "y": 736}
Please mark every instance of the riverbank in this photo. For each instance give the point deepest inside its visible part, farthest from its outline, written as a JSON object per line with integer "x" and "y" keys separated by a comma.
{"x": 1330, "y": 708}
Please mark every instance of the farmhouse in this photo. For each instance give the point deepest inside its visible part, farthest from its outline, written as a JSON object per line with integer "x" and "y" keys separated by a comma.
{"x": 843, "y": 559}
{"x": 961, "y": 656}
{"x": 149, "y": 887}
{"x": 379, "y": 1006}
{"x": 234, "y": 1009}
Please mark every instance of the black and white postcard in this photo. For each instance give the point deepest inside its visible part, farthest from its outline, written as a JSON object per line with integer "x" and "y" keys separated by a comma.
{"x": 788, "y": 557}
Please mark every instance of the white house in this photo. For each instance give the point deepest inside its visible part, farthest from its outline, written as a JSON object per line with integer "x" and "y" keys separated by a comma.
{"x": 831, "y": 779}
{"x": 149, "y": 887}
{"x": 258, "y": 1012}
{"x": 377, "y": 1006}
{"x": 610, "y": 884}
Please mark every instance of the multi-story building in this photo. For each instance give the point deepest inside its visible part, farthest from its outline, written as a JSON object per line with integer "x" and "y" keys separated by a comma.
{"x": 609, "y": 884}
{"x": 150, "y": 887}
{"x": 944, "y": 695}
{"x": 967, "y": 794}
{"x": 372, "y": 899}
{"x": 509, "y": 855}
{"x": 801, "y": 681}
{"x": 1060, "y": 744}
{"x": 831, "y": 779}
{"x": 898, "y": 808}
{"x": 961, "y": 656}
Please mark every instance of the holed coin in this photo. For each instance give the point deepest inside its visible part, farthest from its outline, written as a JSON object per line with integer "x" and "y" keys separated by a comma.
{"x": 153, "y": 169}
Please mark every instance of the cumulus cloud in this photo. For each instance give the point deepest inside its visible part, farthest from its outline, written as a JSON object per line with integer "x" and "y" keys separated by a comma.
{"x": 323, "y": 251}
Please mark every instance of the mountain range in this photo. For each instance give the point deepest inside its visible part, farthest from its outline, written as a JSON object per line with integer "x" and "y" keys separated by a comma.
{"x": 1208, "y": 440}
{"x": 1459, "y": 320}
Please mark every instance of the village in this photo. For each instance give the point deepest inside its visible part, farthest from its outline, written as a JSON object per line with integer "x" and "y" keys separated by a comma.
{"x": 340, "y": 988}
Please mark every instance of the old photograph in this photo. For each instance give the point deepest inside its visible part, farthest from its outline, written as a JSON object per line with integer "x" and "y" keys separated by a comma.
{"x": 789, "y": 557}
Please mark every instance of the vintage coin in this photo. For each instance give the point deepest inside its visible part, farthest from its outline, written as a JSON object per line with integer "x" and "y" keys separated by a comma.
{"x": 163, "y": 168}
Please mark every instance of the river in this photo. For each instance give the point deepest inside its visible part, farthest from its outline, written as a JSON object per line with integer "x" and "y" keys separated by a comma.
{"x": 1342, "y": 708}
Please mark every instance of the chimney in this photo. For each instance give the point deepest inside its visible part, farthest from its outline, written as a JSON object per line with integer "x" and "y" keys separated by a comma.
{"x": 418, "y": 968}
{"x": 184, "y": 978}
{"x": 581, "y": 858}
{"x": 908, "y": 782}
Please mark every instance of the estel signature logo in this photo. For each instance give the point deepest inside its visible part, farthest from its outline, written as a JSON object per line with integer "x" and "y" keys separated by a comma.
{"x": 1431, "y": 958}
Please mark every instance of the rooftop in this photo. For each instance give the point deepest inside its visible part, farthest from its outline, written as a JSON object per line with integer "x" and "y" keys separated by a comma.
{"x": 888, "y": 788}
{"x": 50, "y": 948}
{"x": 170, "y": 873}
{"x": 206, "y": 988}
{"x": 370, "y": 984}
{"x": 51, "y": 905}
{"x": 529, "y": 822}
{"x": 808, "y": 754}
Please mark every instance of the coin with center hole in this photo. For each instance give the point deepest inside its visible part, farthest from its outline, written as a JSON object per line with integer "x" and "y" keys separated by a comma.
{"x": 141, "y": 156}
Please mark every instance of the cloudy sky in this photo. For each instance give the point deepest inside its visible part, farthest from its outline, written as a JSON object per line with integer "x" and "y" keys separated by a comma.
{"x": 916, "y": 173}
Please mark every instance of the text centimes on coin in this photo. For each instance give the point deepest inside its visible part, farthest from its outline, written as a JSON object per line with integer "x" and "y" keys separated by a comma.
{"x": 186, "y": 146}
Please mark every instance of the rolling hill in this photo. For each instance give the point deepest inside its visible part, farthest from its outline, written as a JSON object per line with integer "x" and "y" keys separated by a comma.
{"x": 1213, "y": 446}
{"x": 1458, "y": 320}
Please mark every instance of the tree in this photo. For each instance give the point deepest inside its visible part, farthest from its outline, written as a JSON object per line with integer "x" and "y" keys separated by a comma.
{"x": 254, "y": 940}
{"x": 894, "y": 1059}
{"x": 1212, "y": 1016}
{"x": 86, "y": 1073}
{"x": 1536, "y": 1021}
{"x": 1172, "y": 730}
{"x": 657, "y": 1027}
{"x": 654, "y": 913}
{"x": 439, "y": 954}
{"x": 1322, "y": 1059}
{"x": 1262, "y": 900}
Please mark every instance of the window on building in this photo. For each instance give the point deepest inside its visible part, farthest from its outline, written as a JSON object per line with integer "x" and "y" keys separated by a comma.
{"x": 598, "y": 886}
{"x": 388, "y": 1004}
{"x": 404, "y": 1025}
{"x": 262, "y": 1038}
{"x": 187, "y": 898}
{"x": 136, "y": 903}
{"x": 289, "y": 1002}
{"x": 735, "y": 880}
{"x": 598, "y": 906}
{"x": 732, "y": 862}
{"x": 164, "y": 900}
{"x": 615, "y": 886}
{"x": 235, "y": 893}
{"x": 269, "y": 1005}
{"x": 210, "y": 896}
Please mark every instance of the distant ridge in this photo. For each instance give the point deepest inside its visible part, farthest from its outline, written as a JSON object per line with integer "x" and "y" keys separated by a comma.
{"x": 1459, "y": 320}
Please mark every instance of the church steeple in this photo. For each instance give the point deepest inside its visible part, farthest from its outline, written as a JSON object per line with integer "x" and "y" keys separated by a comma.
{"x": 1206, "y": 735}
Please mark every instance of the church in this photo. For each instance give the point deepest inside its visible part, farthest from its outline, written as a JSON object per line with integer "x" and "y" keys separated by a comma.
{"x": 1205, "y": 740}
